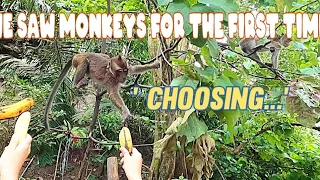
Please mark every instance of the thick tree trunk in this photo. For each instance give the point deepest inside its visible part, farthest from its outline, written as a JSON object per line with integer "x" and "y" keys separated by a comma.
{"x": 165, "y": 167}
{"x": 172, "y": 163}
{"x": 156, "y": 75}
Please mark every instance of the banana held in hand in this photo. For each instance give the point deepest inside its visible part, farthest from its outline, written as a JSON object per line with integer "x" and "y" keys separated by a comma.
{"x": 22, "y": 124}
{"x": 125, "y": 139}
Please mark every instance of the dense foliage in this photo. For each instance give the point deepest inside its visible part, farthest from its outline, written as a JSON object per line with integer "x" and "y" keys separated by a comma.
{"x": 247, "y": 144}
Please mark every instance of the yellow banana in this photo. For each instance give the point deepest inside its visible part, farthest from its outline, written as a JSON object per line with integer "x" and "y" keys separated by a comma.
{"x": 16, "y": 109}
{"x": 125, "y": 139}
{"x": 22, "y": 124}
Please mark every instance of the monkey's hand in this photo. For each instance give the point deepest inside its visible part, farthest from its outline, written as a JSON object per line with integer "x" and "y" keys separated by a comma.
{"x": 272, "y": 49}
{"x": 126, "y": 116}
{"x": 156, "y": 64}
{"x": 83, "y": 82}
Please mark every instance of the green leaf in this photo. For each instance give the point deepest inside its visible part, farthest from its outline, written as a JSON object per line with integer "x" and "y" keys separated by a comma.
{"x": 237, "y": 82}
{"x": 309, "y": 71}
{"x": 200, "y": 41}
{"x": 192, "y": 2}
{"x": 163, "y": 2}
{"x": 231, "y": 116}
{"x": 193, "y": 129}
{"x": 206, "y": 55}
{"x": 60, "y": 136}
{"x": 231, "y": 119}
{"x": 231, "y": 54}
{"x": 284, "y": 4}
{"x": 223, "y": 81}
{"x": 184, "y": 8}
{"x": 199, "y": 8}
{"x": 209, "y": 73}
{"x": 248, "y": 64}
{"x": 275, "y": 177}
{"x": 265, "y": 156}
{"x": 226, "y": 5}
{"x": 198, "y": 59}
{"x": 229, "y": 73}
{"x": 184, "y": 81}
{"x": 180, "y": 62}
{"x": 299, "y": 46}
{"x": 213, "y": 48}
{"x": 270, "y": 138}
{"x": 211, "y": 113}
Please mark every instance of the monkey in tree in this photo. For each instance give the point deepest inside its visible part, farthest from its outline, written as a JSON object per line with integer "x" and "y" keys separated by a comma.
{"x": 252, "y": 46}
{"x": 105, "y": 71}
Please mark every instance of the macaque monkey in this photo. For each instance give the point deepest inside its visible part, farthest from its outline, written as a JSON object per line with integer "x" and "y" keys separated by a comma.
{"x": 252, "y": 46}
{"x": 106, "y": 71}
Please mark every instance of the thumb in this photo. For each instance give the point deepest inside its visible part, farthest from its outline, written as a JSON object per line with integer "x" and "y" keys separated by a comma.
{"x": 25, "y": 143}
{"x": 135, "y": 152}
{"x": 13, "y": 142}
{"x": 124, "y": 150}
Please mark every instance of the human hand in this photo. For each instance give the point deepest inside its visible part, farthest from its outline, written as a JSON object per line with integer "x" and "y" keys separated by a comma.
{"x": 131, "y": 163}
{"x": 14, "y": 156}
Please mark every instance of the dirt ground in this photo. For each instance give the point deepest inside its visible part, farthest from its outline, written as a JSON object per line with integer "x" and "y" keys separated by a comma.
{"x": 35, "y": 172}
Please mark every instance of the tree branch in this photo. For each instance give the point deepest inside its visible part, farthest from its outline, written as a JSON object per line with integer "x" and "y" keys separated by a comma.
{"x": 299, "y": 9}
{"x": 165, "y": 51}
{"x": 148, "y": 62}
{"x": 278, "y": 75}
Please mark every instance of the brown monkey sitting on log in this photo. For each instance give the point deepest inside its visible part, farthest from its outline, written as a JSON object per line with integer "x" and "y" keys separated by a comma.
{"x": 107, "y": 72}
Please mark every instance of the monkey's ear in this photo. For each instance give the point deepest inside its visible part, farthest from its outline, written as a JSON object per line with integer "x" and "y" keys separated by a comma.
{"x": 115, "y": 66}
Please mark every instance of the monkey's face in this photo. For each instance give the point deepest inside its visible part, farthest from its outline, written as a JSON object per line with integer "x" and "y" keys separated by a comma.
{"x": 120, "y": 68}
{"x": 285, "y": 41}
{"x": 121, "y": 75}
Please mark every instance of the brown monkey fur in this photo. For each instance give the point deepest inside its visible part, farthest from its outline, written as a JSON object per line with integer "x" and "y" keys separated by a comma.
{"x": 250, "y": 46}
{"x": 106, "y": 71}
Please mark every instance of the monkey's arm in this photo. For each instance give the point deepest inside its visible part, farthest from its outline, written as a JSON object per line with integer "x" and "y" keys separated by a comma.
{"x": 117, "y": 100}
{"x": 274, "y": 58}
{"x": 138, "y": 69}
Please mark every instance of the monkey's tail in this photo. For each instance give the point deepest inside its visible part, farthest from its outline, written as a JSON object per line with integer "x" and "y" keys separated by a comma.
{"x": 53, "y": 94}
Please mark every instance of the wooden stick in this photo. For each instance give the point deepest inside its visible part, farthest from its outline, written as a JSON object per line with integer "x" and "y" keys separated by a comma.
{"x": 91, "y": 128}
{"x": 112, "y": 168}
{"x": 57, "y": 162}
{"x": 27, "y": 166}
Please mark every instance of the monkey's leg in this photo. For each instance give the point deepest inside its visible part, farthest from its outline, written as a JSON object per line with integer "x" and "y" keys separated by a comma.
{"x": 83, "y": 82}
{"x": 256, "y": 57}
{"x": 274, "y": 58}
{"x": 119, "y": 103}
{"x": 81, "y": 70}
{"x": 138, "y": 69}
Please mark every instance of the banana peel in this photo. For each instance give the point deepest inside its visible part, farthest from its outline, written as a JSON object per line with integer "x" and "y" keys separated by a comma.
{"x": 16, "y": 109}
{"x": 125, "y": 139}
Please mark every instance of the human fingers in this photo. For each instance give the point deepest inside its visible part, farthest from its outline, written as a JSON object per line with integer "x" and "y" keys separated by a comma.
{"x": 13, "y": 142}
{"x": 135, "y": 152}
{"x": 121, "y": 155}
{"x": 124, "y": 151}
{"x": 26, "y": 143}
{"x": 122, "y": 161}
